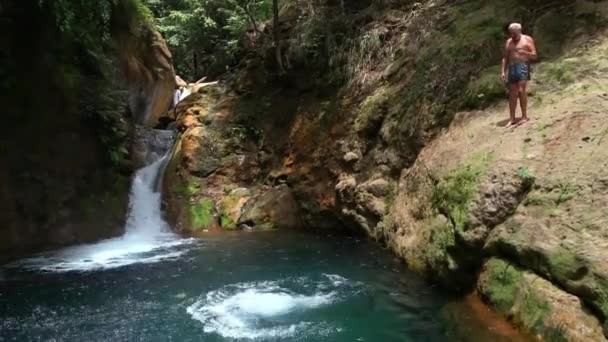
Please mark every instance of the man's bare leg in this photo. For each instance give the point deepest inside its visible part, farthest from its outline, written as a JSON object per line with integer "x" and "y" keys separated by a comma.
{"x": 513, "y": 96}
{"x": 523, "y": 100}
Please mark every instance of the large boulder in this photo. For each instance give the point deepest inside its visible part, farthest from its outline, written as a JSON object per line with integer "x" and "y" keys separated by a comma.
{"x": 273, "y": 208}
{"x": 151, "y": 77}
{"x": 215, "y": 176}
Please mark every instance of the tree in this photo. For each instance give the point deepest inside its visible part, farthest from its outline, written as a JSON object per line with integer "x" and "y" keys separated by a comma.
{"x": 204, "y": 35}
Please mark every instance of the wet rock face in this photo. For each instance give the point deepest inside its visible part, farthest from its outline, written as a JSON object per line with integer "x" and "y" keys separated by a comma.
{"x": 52, "y": 194}
{"x": 150, "y": 145}
{"x": 364, "y": 203}
{"x": 151, "y": 78}
{"x": 271, "y": 208}
{"x": 214, "y": 178}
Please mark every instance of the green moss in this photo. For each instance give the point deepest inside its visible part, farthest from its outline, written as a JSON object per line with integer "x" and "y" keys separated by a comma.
{"x": 533, "y": 312}
{"x": 565, "y": 192}
{"x": 226, "y": 222}
{"x": 486, "y": 90}
{"x": 565, "y": 264}
{"x": 538, "y": 198}
{"x": 562, "y": 72}
{"x": 189, "y": 189}
{"x": 202, "y": 214}
{"x": 441, "y": 240}
{"x": 371, "y": 113}
{"x": 601, "y": 300}
{"x": 452, "y": 195}
{"x": 503, "y": 284}
{"x": 443, "y": 79}
{"x": 551, "y": 30}
{"x": 229, "y": 205}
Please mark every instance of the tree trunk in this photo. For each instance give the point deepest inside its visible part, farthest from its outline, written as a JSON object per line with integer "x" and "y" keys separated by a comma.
{"x": 195, "y": 61}
{"x": 245, "y": 7}
{"x": 277, "y": 35}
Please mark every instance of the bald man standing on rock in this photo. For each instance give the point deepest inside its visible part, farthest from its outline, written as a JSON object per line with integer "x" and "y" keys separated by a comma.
{"x": 520, "y": 50}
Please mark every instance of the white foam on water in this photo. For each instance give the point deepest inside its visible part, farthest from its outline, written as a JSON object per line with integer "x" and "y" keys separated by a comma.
{"x": 263, "y": 310}
{"x": 147, "y": 237}
{"x": 335, "y": 279}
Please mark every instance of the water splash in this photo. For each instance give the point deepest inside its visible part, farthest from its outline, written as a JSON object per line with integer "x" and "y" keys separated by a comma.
{"x": 271, "y": 310}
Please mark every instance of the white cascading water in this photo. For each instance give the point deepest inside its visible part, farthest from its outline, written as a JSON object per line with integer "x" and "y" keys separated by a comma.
{"x": 147, "y": 237}
{"x": 180, "y": 94}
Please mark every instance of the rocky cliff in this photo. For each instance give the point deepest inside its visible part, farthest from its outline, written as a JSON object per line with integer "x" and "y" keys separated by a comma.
{"x": 394, "y": 126}
{"x": 64, "y": 160}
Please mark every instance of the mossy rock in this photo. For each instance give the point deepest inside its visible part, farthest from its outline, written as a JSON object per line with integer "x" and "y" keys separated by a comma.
{"x": 202, "y": 214}
{"x": 454, "y": 193}
{"x": 371, "y": 113}
{"x": 536, "y": 304}
{"x": 230, "y": 207}
{"x": 441, "y": 239}
{"x": 503, "y": 280}
{"x": 187, "y": 190}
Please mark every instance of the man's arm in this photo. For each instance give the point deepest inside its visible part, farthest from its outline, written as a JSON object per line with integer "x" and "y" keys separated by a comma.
{"x": 505, "y": 61}
{"x": 532, "y": 53}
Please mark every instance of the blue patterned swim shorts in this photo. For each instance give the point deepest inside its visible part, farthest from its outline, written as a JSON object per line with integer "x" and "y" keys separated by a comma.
{"x": 519, "y": 72}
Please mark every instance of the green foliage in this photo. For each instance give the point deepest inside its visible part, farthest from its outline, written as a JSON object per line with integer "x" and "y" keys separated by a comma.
{"x": 565, "y": 263}
{"x": 446, "y": 66}
{"x": 83, "y": 62}
{"x": 562, "y": 193}
{"x": 81, "y": 17}
{"x": 227, "y": 222}
{"x": 328, "y": 44}
{"x": 441, "y": 240}
{"x": 188, "y": 190}
{"x": 503, "y": 284}
{"x": 533, "y": 312}
{"x": 565, "y": 192}
{"x": 486, "y": 90}
{"x": 90, "y": 21}
{"x": 562, "y": 72}
{"x": 371, "y": 113}
{"x": 104, "y": 109}
{"x": 524, "y": 174}
{"x": 453, "y": 194}
{"x": 202, "y": 213}
{"x": 204, "y": 35}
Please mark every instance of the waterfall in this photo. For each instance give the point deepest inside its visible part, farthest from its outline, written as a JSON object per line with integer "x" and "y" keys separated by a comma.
{"x": 147, "y": 236}
{"x": 145, "y": 220}
{"x": 180, "y": 94}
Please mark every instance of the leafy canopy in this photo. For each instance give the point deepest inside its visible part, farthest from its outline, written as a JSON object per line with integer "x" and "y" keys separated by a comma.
{"x": 204, "y": 35}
